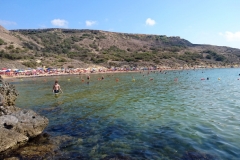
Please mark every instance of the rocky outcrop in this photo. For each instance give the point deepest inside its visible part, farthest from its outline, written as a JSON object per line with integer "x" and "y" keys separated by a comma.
{"x": 17, "y": 125}
{"x": 8, "y": 93}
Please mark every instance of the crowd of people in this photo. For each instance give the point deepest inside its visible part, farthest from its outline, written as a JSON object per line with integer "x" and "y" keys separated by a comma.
{"x": 52, "y": 72}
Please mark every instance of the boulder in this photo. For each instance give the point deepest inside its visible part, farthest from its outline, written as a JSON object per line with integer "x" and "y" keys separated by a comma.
{"x": 8, "y": 93}
{"x": 10, "y": 139}
{"x": 17, "y": 125}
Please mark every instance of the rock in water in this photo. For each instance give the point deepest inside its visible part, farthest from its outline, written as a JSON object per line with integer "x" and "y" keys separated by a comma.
{"x": 16, "y": 125}
{"x": 8, "y": 93}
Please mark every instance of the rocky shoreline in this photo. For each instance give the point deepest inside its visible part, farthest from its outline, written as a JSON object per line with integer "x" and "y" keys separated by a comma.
{"x": 17, "y": 126}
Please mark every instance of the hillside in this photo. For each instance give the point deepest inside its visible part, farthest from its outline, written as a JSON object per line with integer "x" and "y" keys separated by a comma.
{"x": 84, "y": 48}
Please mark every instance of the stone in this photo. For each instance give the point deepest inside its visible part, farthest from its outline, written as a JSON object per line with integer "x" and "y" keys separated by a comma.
{"x": 1, "y": 99}
{"x": 29, "y": 123}
{"x": 17, "y": 125}
{"x": 23, "y": 124}
{"x": 11, "y": 158}
{"x": 11, "y": 139}
{"x": 42, "y": 147}
{"x": 8, "y": 93}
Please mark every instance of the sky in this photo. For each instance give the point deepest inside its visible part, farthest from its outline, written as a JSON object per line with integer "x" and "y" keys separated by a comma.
{"x": 213, "y": 22}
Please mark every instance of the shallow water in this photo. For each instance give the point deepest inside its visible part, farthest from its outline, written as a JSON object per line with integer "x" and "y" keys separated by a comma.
{"x": 142, "y": 119}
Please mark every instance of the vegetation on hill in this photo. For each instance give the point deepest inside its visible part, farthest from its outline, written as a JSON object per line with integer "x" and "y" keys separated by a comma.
{"x": 56, "y": 47}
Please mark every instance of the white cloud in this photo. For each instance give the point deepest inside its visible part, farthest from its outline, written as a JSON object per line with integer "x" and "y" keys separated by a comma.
{"x": 7, "y": 23}
{"x": 230, "y": 36}
{"x": 90, "y": 23}
{"x": 150, "y": 22}
{"x": 59, "y": 22}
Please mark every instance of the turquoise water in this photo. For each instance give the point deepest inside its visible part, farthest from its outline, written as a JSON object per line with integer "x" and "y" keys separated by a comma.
{"x": 142, "y": 119}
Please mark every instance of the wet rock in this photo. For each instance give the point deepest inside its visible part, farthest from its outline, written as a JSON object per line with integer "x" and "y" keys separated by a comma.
{"x": 117, "y": 157}
{"x": 42, "y": 147}
{"x": 12, "y": 158}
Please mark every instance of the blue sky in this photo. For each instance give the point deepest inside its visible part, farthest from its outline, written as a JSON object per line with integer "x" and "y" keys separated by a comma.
{"x": 215, "y": 22}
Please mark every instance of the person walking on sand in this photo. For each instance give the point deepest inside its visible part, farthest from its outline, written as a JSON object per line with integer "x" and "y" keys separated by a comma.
{"x": 57, "y": 88}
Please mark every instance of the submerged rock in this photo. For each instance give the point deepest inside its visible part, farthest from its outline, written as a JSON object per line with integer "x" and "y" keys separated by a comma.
{"x": 43, "y": 146}
{"x": 193, "y": 155}
{"x": 17, "y": 125}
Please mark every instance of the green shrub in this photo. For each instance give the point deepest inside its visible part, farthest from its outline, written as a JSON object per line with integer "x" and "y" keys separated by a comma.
{"x": 1, "y": 42}
{"x": 31, "y": 64}
{"x": 220, "y": 58}
{"x": 93, "y": 45}
{"x": 208, "y": 57}
{"x": 62, "y": 60}
{"x": 190, "y": 57}
{"x": 70, "y": 66}
{"x": 10, "y": 47}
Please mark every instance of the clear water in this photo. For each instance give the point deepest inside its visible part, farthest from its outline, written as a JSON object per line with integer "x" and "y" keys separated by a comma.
{"x": 144, "y": 119}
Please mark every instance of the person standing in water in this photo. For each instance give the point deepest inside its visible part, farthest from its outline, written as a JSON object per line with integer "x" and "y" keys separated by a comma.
{"x": 57, "y": 88}
{"x": 88, "y": 77}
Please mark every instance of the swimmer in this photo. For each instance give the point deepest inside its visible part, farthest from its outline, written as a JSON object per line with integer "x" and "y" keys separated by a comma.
{"x": 82, "y": 79}
{"x": 133, "y": 79}
{"x": 56, "y": 88}
{"x": 88, "y": 77}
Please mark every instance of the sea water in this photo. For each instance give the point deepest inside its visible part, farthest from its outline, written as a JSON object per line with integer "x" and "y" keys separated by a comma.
{"x": 167, "y": 115}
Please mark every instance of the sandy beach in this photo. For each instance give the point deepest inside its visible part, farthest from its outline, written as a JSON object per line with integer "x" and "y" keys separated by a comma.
{"x": 65, "y": 74}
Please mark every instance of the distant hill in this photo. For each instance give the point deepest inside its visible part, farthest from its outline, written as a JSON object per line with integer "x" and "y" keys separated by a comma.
{"x": 82, "y": 48}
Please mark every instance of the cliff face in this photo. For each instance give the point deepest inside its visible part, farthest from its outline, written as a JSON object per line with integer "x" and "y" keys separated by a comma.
{"x": 16, "y": 125}
{"x": 62, "y": 47}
